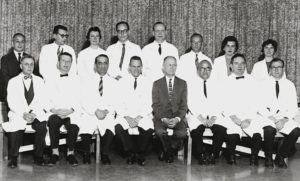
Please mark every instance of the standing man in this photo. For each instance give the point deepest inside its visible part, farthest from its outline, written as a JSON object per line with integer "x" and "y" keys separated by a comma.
{"x": 205, "y": 111}
{"x": 50, "y": 52}
{"x": 26, "y": 100}
{"x": 240, "y": 109}
{"x": 279, "y": 108}
{"x": 121, "y": 52}
{"x": 64, "y": 107}
{"x": 169, "y": 103}
{"x": 10, "y": 63}
{"x": 154, "y": 53}
{"x": 187, "y": 65}
{"x": 135, "y": 113}
{"x": 99, "y": 106}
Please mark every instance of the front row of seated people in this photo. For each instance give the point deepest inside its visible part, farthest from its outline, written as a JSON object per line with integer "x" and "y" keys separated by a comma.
{"x": 233, "y": 108}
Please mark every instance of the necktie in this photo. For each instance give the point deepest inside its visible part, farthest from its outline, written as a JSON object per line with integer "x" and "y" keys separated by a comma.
{"x": 58, "y": 50}
{"x": 101, "y": 86}
{"x": 19, "y": 57}
{"x": 204, "y": 88}
{"x": 27, "y": 77}
{"x": 29, "y": 94}
{"x": 64, "y": 75}
{"x": 159, "y": 49}
{"x": 277, "y": 89}
{"x": 122, "y": 56}
{"x": 196, "y": 60}
{"x": 170, "y": 90}
{"x": 240, "y": 77}
{"x": 135, "y": 83}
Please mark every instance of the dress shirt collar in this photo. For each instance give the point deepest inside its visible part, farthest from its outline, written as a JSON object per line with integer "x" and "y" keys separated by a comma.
{"x": 126, "y": 43}
{"x": 56, "y": 45}
{"x": 194, "y": 54}
{"x": 157, "y": 44}
{"x": 103, "y": 77}
{"x": 17, "y": 53}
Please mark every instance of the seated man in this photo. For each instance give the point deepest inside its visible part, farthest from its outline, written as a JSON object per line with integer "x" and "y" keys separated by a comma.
{"x": 64, "y": 106}
{"x": 26, "y": 100}
{"x": 204, "y": 102}
{"x": 241, "y": 110}
{"x": 99, "y": 105}
{"x": 135, "y": 113}
{"x": 169, "y": 103}
{"x": 279, "y": 107}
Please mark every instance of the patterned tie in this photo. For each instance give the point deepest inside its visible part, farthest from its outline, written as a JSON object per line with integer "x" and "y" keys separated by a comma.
{"x": 58, "y": 50}
{"x": 101, "y": 86}
{"x": 277, "y": 89}
{"x": 122, "y": 56}
{"x": 159, "y": 49}
{"x": 135, "y": 83}
{"x": 204, "y": 88}
{"x": 196, "y": 60}
{"x": 19, "y": 57}
{"x": 170, "y": 90}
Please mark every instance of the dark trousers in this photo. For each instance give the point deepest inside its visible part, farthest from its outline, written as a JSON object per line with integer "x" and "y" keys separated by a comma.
{"x": 54, "y": 124}
{"x": 16, "y": 139}
{"x": 269, "y": 137}
{"x": 174, "y": 142}
{"x": 219, "y": 134}
{"x": 234, "y": 139}
{"x": 127, "y": 140}
{"x": 288, "y": 142}
{"x": 105, "y": 141}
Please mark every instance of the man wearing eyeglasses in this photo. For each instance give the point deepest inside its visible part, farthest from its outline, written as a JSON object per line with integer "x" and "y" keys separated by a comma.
{"x": 278, "y": 110}
{"x": 120, "y": 53}
{"x": 205, "y": 108}
{"x": 50, "y": 52}
{"x": 187, "y": 65}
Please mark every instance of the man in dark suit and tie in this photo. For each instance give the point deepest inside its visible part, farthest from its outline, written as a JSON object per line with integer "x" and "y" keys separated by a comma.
{"x": 10, "y": 63}
{"x": 169, "y": 103}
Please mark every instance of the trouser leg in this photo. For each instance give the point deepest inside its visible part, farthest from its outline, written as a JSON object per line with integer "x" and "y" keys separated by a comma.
{"x": 39, "y": 138}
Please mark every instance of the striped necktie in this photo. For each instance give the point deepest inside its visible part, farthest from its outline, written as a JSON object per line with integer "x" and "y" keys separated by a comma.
{"x": 101, "y": 86}
{"x": 170, "y": 89}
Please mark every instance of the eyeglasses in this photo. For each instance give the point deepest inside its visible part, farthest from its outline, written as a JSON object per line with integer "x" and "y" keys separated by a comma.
{"x": 205, "y": 69}
{"x": 279, "y": 67}
{"x": 122, "y": 31}
{"x": 64, "y": 35}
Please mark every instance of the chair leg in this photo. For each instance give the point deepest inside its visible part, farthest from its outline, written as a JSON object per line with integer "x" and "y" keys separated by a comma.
{"x": 189, "y": 149}
{"x": 98, "y": 148}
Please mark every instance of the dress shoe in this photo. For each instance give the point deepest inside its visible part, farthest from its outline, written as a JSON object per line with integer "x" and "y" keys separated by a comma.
{"x": 211, "y": 159}
{"x": 86, "y": 158}
{"x": 13, "y": 163}
{"x": 231, "y": 160}
{"x": 280, "y": 161}
{"x": 269, "y": 162}
{"x": 40, "y": 161}
{"x": 141, "y": 160}
{"x": 72, "y": 160}
{"x": 202, "y": 160}
{"x": 169, "y": 158}
{"x": 254, "y": 160}
{"x": 53, "y": 159}
{"x": 105, "y": 160}
{"x": 162, "y": 156}
{"x": 131, "y": 159}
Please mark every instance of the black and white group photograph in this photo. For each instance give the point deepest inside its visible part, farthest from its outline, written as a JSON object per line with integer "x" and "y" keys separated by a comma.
{"x": 149, "y": 90}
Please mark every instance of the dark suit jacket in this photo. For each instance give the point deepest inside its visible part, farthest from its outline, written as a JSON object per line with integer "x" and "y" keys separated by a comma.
{"x": 162, "y": 106}
{"x": 10, "y": 67}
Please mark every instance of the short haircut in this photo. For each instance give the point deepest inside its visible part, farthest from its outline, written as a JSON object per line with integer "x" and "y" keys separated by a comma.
{"x": 122, "y": 22}
{"x": 135, "y": 58}
{"x": 59, "y": 27}
{"x": 267, "y": 42}
{"x": 94, "y": 28}
{"x": 27, "y": 56}
{"x": 236, "y": 56}
{"x": 196, "y": 34}
{"x": 169, "y": 57}
{"x": 64, "y": 53}
{"x": 157, "y": 23}
{"x": 18, "y": 34}
{"x": 276, "y": 60}
{"x": 203, "y": 61}
{"x": 102, "y": 55}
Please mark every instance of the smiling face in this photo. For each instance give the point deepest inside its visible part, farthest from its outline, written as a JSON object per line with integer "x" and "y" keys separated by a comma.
{"x": 135, "y": 67}
{"x": 159, "y": 33}
{"x": 19, "y": 43}
{"x": 64, "y": 64}
{"x": 94, "y": 38}
{"x": 61, "y": 37}
{"x": 269, "y": 50}
{"x": 204, "y": 69}
{"x": 230, "y": 48}
{"x": 101, "y": 65}
{"x": 122, "y": 32}
{"x": 276, "y": 69}
{"x": 196, "y": 43}
{"x": 238, "y": 66}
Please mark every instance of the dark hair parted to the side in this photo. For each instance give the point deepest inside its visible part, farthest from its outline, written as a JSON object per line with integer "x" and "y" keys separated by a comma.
{"x": 225, "y": 41}
{"x": 122, "y": 22}
{"x": 169, "y": 57}
{"x": 266, "y": 43}
{"x": 102, "y": 55}
{"x": 276, "y": 60}
{"x": 64, "y": 53}
{"x": 18, "y": 34}
{"x": 27, "y": 56}
{"x": 237, "y": 55}
{"x": 157, "y": 23}
{"x": 94, "y": 28}
{"x": 135, "y": 58}
{"x": 196, "y": 34}
{"x": 59, "y": 27}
